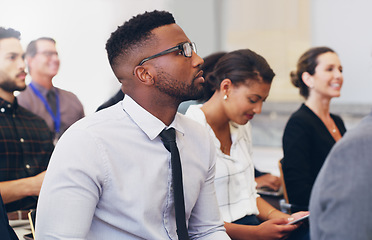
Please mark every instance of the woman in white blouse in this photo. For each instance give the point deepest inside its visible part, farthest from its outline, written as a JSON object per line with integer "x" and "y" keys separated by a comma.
{"x": 241, "y": 80}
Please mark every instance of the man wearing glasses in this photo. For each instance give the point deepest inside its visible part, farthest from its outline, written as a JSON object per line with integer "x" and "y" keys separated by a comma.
{"x": 59, "y": 108}
{"x": 110, "y": 176}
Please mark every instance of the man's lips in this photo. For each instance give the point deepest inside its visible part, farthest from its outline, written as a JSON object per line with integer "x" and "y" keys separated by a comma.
{"x": 199, "y": 75}
{"x": 22, "y": 75}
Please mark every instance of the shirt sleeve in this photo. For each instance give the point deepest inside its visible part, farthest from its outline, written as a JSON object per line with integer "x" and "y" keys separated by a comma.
{"x": 206, "y": 222}
{"x": 71, "y": 188}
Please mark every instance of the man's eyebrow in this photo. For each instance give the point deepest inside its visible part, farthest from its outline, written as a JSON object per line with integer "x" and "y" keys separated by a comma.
{"x": 12, "y": 53}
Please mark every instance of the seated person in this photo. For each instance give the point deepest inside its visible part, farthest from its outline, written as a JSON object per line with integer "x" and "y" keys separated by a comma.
{"x": 110, "y": 175}
{"x": 241, "y": 82}
{"x": 263, "y": 179}
{"x": 312, "y": 130}
{"x": 25, "y": 140}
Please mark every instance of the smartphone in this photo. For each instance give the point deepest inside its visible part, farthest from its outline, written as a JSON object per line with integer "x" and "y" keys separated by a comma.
{"x": 299, "y": 219}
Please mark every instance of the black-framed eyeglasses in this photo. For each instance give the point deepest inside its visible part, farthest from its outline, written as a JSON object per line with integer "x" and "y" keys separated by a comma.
{"x": 186, "y": 49}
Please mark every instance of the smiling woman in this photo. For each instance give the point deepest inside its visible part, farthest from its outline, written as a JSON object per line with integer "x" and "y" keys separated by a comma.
{"x": 312, "y": 130}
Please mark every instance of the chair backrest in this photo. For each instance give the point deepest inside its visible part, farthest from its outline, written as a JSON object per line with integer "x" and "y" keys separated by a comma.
{"x": 282, "y": 181}
{"x": 287, "y": 206}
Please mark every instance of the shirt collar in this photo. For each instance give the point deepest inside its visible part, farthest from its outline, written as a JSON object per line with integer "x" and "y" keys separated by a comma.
{"x": 7, "y": 107}
{"x": 149, "y": 124}
{"x": 42, "y": 89}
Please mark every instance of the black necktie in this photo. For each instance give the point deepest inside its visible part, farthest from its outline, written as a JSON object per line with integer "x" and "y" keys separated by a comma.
{"x": 52, "y": 101}
{"x": 169, "y": 140}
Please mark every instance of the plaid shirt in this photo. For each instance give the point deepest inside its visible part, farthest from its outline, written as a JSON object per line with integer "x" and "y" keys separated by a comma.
{"x": 25, "y": 147}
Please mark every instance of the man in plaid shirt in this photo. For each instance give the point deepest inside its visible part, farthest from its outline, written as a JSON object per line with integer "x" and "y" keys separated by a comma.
{"x": 25, "y": 140}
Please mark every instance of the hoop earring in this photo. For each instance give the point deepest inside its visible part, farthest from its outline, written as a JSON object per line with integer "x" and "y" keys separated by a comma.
{"x": 225, "y": 97}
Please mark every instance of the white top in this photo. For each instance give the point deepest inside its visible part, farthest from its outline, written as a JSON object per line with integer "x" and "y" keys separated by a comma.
{"x": 234, "y": 181}
{"x": 110, "y": 178}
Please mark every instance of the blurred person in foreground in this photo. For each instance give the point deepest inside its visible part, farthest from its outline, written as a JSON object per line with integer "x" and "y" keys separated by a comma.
{"x": 341, "y": 200}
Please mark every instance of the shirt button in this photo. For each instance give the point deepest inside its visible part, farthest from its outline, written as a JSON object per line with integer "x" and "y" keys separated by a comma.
{"x": 28, "y": 166}
{"x": 22, "y": 140}
{"x": 2, "y": 109}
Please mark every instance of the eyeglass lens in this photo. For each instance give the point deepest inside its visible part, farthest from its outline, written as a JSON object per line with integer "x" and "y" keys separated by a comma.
{"x": 187, "y": 49}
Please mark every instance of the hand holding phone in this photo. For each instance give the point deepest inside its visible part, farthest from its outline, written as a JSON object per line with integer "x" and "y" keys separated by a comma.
{"x": 298, "y": 220}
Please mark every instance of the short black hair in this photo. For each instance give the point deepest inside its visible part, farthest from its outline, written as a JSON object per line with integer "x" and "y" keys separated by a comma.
{"x": 135, "y": 32}
{"x": 9, "y": 33}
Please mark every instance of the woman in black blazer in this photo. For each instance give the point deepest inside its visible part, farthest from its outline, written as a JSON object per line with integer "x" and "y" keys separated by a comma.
{"x": 312, "y": 130}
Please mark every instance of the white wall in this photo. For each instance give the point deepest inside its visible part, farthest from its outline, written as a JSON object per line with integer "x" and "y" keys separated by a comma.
{"x": 82, "y": 27}
{"x": 345, "y": 26}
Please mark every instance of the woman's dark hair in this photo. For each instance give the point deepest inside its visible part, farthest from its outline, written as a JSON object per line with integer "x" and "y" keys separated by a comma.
{"x": 307, "y": 63}
{"x": 241, "y": 67}
{"x": 208, "y": 66}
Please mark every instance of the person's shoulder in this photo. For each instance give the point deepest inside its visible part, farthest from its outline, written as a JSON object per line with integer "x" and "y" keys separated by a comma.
{"x": 187, "y": 120}
{"x": 359, "y": 135}
{"x": 195, "y": 113}
{"x": 25, "y": 94}
{"x": 66, "y": 93}
{"x": 191, "y": 124}
{"x": 302, "y": 112}
{"x": 25, "y": 113}
{"x": 101, "y": 118}
{"x": 302, "y": 117}
{"x": 32, "y": 118}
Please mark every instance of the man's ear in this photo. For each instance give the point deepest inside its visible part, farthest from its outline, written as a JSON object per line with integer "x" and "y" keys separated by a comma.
{"x": 28, "y": 60}
{"x": 144, "y": 75}
{"x": 308, "y": 79}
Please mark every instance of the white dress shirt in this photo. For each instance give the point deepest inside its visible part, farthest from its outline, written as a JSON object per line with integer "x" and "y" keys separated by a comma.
{"x": 110, "y": 178}
{"x": 234, "y": 181}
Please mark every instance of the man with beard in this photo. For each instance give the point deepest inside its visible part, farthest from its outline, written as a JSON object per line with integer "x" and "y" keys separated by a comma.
{"x": 110, "y": 176}
{"x": 25, "y": 141}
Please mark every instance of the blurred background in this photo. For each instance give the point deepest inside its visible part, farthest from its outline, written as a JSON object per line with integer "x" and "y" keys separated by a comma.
{"x": 279, "y": 30}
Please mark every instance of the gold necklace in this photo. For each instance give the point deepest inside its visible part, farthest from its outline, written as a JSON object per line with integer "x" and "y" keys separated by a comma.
{"x": 334, "y": 128}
